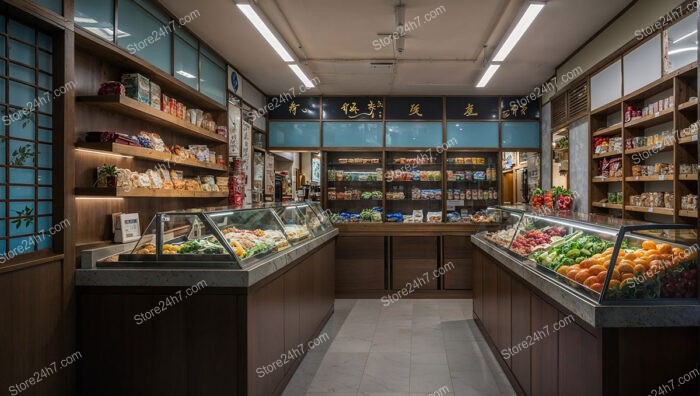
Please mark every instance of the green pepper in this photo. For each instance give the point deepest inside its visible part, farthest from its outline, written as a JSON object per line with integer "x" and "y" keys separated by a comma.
{"x": 573, "y": 253}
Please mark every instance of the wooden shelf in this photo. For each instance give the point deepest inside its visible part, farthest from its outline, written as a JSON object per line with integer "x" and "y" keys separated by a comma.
{"x": 149, "y": 155}
{"x": 607, "y": 205}
{"x": 691, "y": 104}
{"x": 688, "y": 139}
{"x": 659, "y": 85}
{"x": 132, "y": 108}
{"x": 649, "y": 148}
{"x": 607, "y": 108}
{"x": 561, "y": 132}
{"x": 115, "y": 55}
{"x": 651, "y": 119}
{"x": 606, "y": 179}
{"x": 611, "y": 130}
{"x": 649, "y": 178}
{"x": 560, "y": 150}
{"x": 607, "y": 154}
{"x": 146, "y": 192}
{"x": 688, "y": 176}
{"x": 688, "y": 213}
{"x": 660, "y": 211}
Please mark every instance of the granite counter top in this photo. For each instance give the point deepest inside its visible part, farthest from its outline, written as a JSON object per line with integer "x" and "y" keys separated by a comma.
{"x": 90, "y": 275}
{"x": 596, "y": 315}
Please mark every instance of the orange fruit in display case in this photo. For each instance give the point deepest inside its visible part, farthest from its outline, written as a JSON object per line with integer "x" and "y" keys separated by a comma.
{"x": 630, "y": 256}
{"x": 563, "y": 270}
{"x": 586, "y": 263}
{"x": 627, "y": 275}
{"x": 590, "y": 280}
{"x": 616, "y": 274}
{"x": 639, "y": 269}
{"x": 613, "y": 284}
{"x": 572, "y": 274}
{"x": 601, "y": 276}
{"x": 582, "y": 275}
{"x": 625, "y": 268}
{"x": 597, "y": 287}
{"x": 665, "y": 248}
{"x": 648, "y": 245}
{"x": 596, "y": 269}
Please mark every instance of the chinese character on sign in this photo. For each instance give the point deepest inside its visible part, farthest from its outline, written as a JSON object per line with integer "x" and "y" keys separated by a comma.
{"x": 293, "y": 108}
{"x": 469, "y": 111}
{"x": 523, "y": 110}
{"x": 371, "y": 107}
{"x": 514, "y": 109}
{"x": 415, "y": 110}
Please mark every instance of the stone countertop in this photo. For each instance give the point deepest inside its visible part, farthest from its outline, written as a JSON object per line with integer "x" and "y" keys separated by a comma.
{"x": 186, "y": 277}
{"x": 596, "y": 315}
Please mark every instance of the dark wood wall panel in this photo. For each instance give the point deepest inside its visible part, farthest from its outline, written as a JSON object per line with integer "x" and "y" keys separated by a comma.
{"x": 545, "y": 351}
{"x": 292, "y": 304}
{"x": 412, "y": 257}
{"x": 580, "y": 376}
{"x": 490, "y": 297}
{"x": 359, "y": 263}
{"x": 32, "y": 328}
{"x": 520, "y": 329}
{"x": 479, "y": 258}
{"x": 458, "y": 251}
{"x": 503, "y": 338}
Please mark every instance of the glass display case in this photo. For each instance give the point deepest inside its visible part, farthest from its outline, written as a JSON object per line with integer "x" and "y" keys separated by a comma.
{"x": 633, "y": 262}
{"x": 225, "y": 237}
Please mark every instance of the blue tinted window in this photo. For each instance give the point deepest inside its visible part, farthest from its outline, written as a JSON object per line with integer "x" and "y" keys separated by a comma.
{"x": 295, "y": 134}
{"x": 96, "y": 16}
{"x": 352, "y": 134}
{"x": 186, "y": 62}
{"x": 53, "y": 5}
{"x": 472, "y": 134}
{"x": 413, "y": 134}
{"x": 213, "y": 78}
{"x": 520, "y": 135}
{"x": 145, "y": 35}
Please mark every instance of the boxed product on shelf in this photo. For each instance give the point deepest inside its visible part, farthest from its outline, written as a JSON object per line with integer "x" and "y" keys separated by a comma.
{"x": 653, "y": 200}
{"x": 154, "y": 95}
{"x": 688, "y": 169}
{"x": 689, "y": 202}
{"x": 165, "y": 103}
{"x": 200, "y": 152}
{"x": 615, "y": 197}
{"x": 610, "y": 167}
{"x": 434, "y": 217}
{"x": 137, "y": 87}
{"x": 111, "y": 88}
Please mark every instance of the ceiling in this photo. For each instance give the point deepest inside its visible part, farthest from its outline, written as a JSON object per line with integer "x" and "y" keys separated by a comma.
{"x": 335, "y": 41}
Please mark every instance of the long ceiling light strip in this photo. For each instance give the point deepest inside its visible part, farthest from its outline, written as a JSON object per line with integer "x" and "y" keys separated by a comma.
{"x": 487, "y": 75}
{"x": 265, "y": 31}
{"x": 297, "y": 70}
{"x": 505, "y": 47}
{"x": 518, "y": 31}
{"x": 275, "y": 43}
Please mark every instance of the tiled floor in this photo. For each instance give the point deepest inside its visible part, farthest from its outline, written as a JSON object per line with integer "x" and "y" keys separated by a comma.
{"x": 411, "y": 347}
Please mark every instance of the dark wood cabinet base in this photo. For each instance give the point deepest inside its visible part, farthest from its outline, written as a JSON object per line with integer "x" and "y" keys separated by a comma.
{"x": 214, "y": 342}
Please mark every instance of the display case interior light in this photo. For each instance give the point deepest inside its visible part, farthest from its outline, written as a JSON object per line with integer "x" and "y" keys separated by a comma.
{"x": 265, "y": 31}
{"x": 99, "y": 152}
{"x": 527, "y": 18}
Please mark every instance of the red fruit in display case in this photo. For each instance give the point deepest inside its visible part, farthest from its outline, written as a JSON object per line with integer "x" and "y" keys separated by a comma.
{"x": 537, "y": 199}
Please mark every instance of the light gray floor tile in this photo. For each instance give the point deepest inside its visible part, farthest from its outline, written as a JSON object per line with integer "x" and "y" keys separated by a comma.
{"x": 429, "y": 377}
{"x": 422, "y": 344}
{"x": 429, "y": 358}
{"x": 474, "y": 383}
{"x": 387, "y": 372}
{"x": 339, "y": 372}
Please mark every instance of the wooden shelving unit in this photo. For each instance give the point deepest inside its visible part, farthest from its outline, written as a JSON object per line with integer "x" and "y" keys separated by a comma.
{"x": 146, "y": 193}
{"x": 608, "y": 121}
{"x": 124, "y": 105}
{"x": 607, "y": 154}
{"x": 150, "y": 155}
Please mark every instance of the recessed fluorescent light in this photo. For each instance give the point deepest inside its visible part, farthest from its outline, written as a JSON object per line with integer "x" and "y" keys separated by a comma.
{"x": 84, "y": 20}
{"x": 487, "y": 75}
{"x": 297, "y": 70}
{"x": 679, "y": 50}
{"x": 525, "y": 21}
{"x": 267, "y": 34}
{"x": 185, "y": 74}
{"x": 686, "y": 36}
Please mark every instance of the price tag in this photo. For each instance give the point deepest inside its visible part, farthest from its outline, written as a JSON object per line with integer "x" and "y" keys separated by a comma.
{"x": 694, "y": 138}
{"x": 605, "y": 205}
{"x": 650, "y": 210}
{"x": 662, "y": 177}
{"x": 656, "y": 114}
{"x": 659, "y": 145}
{"x": 636, "y": 178}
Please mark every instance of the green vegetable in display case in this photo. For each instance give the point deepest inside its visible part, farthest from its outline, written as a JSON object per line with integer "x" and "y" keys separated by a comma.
{"x": 201, "y": 246}
{"x": 570, "y": 250}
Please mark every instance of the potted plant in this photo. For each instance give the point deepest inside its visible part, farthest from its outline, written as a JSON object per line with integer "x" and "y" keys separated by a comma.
{"x": 107, "y": 176}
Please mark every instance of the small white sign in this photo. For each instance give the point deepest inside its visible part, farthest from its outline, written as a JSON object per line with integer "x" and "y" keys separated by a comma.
{"x": 694, "y": 138}
{"x": 650, "y": 210}
{"x": 453, "y": 203}
{"x": 662, "y": 177}
{"x": 656, "y": 114}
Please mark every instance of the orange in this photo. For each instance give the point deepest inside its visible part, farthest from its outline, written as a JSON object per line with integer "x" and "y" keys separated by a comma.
{"x": 572, "y": 274}
{"x": 582, "y": 276}
{"x": 616, "y": 274}
{"x": 639, "y": 269}
{"x": 614, "y": 283}
{"x": 625, "y": 268}
{"x": 563, "y": 270}
{"x": 627, "y": 275}
{"x": 631, "y": 256}
{"x": 586, "y": 263}
{"x": 597, "y": 287}
{"x": 665, "y": 248}
{"x": 608, "y": 250}
{"x": 590, "y": 280}
{"x": 601, "y": 276}
{"x": 648, "y": 245}
{"x": 596, "y": 269}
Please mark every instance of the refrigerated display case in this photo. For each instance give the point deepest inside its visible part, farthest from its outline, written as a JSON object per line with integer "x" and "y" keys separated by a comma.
{"x": 224, "y": 237}
{"x": 633, "y": 262}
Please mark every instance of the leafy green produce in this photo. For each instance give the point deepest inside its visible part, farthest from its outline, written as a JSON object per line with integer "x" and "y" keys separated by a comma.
{"x": 201, "y": 246}
{"x": 571, "y": 250}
